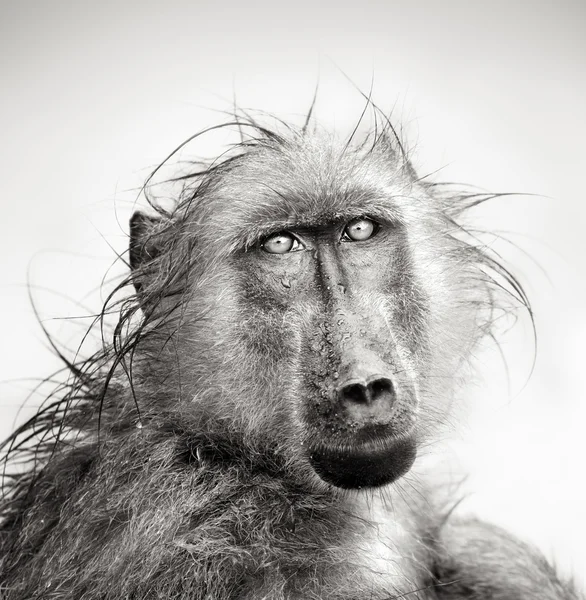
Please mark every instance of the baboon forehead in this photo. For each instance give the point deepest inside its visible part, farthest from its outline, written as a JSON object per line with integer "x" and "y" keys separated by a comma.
{"x": 305, "y": 184}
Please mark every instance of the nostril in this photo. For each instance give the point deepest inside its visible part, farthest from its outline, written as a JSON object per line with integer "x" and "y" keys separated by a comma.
{"x": 354, "y": 393}
{"x": 367, "y": 401}
{"x": 380, "y": 388}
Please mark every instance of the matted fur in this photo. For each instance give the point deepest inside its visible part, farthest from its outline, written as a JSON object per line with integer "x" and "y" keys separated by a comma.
{"x": 171, "y": 464}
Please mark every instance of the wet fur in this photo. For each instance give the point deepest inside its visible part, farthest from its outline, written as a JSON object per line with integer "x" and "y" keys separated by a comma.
{"x": 170, "y": 466}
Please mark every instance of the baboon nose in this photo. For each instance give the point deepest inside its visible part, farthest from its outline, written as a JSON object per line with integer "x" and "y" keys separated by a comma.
{"x": 370, "y": 399}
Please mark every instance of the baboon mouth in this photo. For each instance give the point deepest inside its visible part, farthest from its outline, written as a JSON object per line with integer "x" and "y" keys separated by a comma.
{"x": 365, "y": 466}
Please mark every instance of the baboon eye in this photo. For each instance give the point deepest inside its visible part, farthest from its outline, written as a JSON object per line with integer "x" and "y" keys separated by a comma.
{"x": 359, "y": 229}
{"x": 281, "y": 243}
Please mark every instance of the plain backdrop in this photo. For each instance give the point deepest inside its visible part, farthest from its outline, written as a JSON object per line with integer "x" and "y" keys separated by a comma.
{"x": 492, "y": 94}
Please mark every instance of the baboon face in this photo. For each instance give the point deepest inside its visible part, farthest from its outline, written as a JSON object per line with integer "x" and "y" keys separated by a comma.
{"x": 308, "y": 320}
{"x": 334, "y": 279}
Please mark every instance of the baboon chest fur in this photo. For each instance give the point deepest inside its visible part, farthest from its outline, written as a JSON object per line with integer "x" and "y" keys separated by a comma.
{"x": 294, "y": 331}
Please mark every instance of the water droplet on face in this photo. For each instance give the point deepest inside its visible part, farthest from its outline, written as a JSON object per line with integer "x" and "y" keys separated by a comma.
{"x": 335, "y": 375}
{"x": 286, "y": 281}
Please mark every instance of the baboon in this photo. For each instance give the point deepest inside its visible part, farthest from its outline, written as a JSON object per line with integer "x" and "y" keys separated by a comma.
{"x": 295, "y": 330}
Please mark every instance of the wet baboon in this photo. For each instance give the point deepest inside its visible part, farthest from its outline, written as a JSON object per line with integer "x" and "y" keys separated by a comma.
{"x": 300, "y": 319}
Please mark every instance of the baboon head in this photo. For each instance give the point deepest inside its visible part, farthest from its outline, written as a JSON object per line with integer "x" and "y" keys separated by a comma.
{"x": 313, "y": 300}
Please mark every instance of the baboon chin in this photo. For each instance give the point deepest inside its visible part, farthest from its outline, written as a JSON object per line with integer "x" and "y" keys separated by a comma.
{"x": 291, "y": 333}
{"x": 368, "y": 466}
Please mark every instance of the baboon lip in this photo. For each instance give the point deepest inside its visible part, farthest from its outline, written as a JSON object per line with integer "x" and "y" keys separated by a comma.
{"x": 365, "y": 466}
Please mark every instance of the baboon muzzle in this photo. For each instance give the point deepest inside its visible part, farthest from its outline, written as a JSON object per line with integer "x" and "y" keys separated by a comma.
{"x": 362, "y": 416}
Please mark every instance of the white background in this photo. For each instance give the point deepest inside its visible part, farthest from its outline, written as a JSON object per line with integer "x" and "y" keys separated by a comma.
{"x": 92, "y": 94}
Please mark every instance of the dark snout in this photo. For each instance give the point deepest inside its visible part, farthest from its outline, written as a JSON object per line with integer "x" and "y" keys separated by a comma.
{"x": 363, "y": 430}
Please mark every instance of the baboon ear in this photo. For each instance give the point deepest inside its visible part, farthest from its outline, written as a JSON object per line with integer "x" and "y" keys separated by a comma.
{"x": 143, "y": 243}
